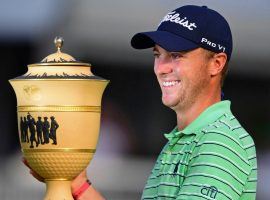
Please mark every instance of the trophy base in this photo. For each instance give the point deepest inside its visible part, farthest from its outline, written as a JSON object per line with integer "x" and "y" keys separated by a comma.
{"x": 58, "y": 190}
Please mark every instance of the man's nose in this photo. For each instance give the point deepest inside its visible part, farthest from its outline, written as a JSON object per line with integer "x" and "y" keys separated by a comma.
{"x": 163, "y": 66}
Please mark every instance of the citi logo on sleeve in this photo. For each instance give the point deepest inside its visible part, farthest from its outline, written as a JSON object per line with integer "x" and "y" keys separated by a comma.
{"x": 175, "y": 18}
{"x": 209, "y": 191}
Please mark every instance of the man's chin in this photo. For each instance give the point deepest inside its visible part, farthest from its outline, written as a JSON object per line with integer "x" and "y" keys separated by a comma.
{"x": 169, "y": 103}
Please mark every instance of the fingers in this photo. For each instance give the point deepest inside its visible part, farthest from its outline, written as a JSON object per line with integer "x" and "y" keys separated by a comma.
{"x": 79, "y": 181}
{"x": 25, "y": 162}
{"x": 38, "y": 177}
{"x": 32, "y": 172}
{"x": 83, "y": 175}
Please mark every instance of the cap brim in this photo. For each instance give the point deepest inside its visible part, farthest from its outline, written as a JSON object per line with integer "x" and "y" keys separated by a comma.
{"x": 166, "y": 40}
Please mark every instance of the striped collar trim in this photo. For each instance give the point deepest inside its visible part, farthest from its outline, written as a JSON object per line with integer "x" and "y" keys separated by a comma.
{"x": 209, "y": 115}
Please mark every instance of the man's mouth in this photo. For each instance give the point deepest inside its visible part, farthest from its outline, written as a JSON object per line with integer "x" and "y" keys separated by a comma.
{"x": 170, "y": 83}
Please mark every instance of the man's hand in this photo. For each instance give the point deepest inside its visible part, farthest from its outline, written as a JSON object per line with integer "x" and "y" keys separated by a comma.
{"x": 78, "y": 181}
{"x": 32, "y": 172}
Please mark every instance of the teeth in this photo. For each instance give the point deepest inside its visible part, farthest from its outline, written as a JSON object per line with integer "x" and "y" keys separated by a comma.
{"x": 169, "y": 83}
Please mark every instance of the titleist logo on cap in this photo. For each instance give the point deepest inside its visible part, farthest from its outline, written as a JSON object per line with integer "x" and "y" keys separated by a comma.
{"x": 174, "y": 17}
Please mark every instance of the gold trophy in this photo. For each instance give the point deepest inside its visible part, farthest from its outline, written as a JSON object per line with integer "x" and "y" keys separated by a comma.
{"x": 59, "y": 107}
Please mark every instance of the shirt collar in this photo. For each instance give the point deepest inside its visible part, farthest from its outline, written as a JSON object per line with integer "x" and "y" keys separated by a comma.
{"x": 209, "y": 115}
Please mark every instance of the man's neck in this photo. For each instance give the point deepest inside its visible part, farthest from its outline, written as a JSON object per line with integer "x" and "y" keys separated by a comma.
{"x": 188, "y": 115}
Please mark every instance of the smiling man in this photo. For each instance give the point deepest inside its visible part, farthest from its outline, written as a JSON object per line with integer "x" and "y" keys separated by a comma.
{"x": 209, "y": 155}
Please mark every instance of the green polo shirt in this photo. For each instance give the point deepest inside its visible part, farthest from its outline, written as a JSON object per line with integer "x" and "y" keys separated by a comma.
{"x": 212, "y": 158}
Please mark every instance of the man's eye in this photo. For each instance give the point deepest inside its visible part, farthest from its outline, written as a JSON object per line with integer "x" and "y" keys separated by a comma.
{"x": 176, "y": 55}
{"x": 156, "y": 55}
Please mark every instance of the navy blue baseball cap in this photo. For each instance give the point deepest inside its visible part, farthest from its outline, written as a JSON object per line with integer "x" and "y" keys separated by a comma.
{"x": 187, "y": 28}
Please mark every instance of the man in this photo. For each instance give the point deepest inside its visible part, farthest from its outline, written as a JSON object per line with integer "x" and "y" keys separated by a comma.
{"x": 25, "y": 127}
{"x": 45, "y": 130}
{"x": 39, "y": 126}
{"x": 31, "y": 125}
{"x": 23, "y": 137}
{"x": 208, "y": 155}
{"x": 54, "y": 127}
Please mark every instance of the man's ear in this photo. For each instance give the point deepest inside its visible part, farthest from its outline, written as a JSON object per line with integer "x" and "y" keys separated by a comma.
{"x": 217, "y": 63}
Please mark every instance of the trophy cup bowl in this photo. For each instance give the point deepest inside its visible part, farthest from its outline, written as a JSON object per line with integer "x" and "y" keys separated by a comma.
{"x": 59, "y": 108}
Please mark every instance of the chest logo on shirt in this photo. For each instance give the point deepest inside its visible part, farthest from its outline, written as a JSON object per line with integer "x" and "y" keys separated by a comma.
{"x": 209, "y": 191}
{"x": 176, "y": 168}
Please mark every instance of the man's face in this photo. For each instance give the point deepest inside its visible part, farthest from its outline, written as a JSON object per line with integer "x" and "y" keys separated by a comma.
{"x": 182, "y": 76}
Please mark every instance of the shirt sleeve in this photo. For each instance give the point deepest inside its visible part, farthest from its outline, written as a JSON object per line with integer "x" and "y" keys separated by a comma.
{"x": 218, "y": 169}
